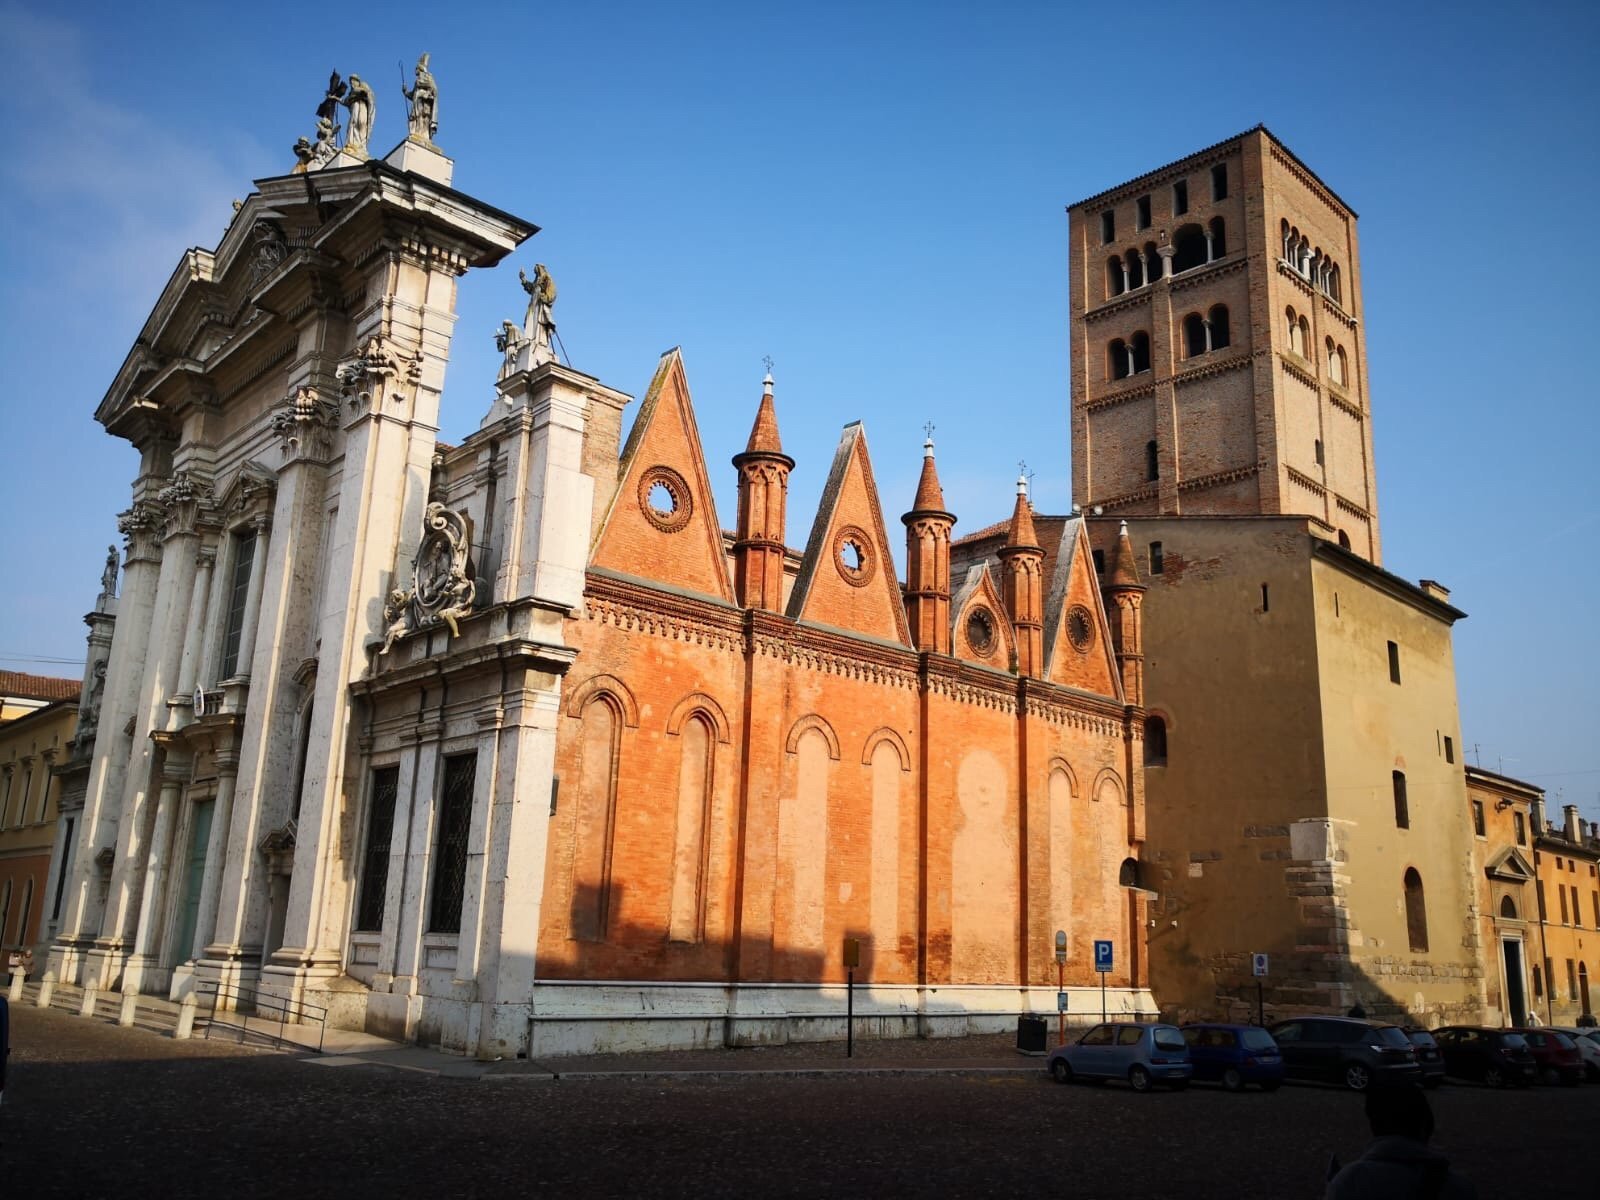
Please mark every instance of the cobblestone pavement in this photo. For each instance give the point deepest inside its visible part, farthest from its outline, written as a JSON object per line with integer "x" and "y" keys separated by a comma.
{"x": 94, "y": 1110}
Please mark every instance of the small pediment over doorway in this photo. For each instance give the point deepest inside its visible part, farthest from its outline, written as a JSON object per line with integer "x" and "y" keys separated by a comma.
{"x": 1510, "y": 867}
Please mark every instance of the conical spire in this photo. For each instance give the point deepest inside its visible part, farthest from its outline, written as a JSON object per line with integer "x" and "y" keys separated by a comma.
{"x": 930, "y": 496}
{"x": 1022, "y": 533}
{"x": 1123, "y": 571}
{"x": 764, "y": 433}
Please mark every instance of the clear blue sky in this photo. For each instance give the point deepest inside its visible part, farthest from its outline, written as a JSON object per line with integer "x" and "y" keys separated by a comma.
{"x": 872, "y": 194}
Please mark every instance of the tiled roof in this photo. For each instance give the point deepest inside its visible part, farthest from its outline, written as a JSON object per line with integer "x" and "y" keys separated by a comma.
{"x": 37, "y": 687}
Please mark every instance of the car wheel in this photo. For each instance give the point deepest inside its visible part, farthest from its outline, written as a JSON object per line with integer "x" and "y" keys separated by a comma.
{"x": 1493, "y": 1077}
{"x": 1232, "y": 1080}
{"x": 1139, "y": 1079}
{"x": 1356, "y": 1077}
{"x": 1061, "y": 1070}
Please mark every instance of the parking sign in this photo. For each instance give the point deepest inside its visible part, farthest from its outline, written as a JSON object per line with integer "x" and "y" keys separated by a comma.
{"x": 1102, "y": 955}
{"x": 1259, "y": 963}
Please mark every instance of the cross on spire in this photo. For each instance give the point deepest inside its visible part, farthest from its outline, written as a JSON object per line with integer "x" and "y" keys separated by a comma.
{"x": 766, "y": 361}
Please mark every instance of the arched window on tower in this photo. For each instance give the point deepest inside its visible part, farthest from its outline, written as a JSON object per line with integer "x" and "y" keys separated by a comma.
{"x": 1216, "y": 240}
{"x": 1136, "y": 275}
{"x": 1302, "y": 336}
{"x": 1152, "y": 461}
{"x": 1128, "y": 873}
{"x": 1152, "y": 263}
{"x": 1115, "y": 279}
{"x": 1194, "y": 335}
{"x": 1189, "y": 249}
{"x": 1141, "y": 352}
{"x": 1155, "y": 742}
{"x": 1285, "y": 235}
{"x": 1335, "y": 289}
{"x": 1117, "y": 360}
{"x": 1335, "y": 364}
{"x": 1217, "y": 327}
{"x": 1416, "y": 912}
{"x": 1344, "y": 540}
{"x": 1297, "y": 337}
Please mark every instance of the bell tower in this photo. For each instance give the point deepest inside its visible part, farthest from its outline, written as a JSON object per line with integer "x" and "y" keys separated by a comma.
{"x": 763, "y": 496}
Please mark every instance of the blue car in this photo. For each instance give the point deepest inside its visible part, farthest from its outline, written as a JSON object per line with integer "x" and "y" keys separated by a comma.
{"x": 1144, "y": 1055}
{"x": 1235, "y": 1055}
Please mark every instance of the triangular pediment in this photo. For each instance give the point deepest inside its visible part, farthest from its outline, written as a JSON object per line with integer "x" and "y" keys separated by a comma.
{"x": 980, "y": 629}
{"x": 1509, "y": 865}
{"x": 662, "y": 525}
{"x": 1077, "y": 637}
{"x": 847, "y": 577}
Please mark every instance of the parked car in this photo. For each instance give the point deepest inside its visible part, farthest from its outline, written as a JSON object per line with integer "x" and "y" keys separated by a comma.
{"x": 1348, "y": 1050}
{"x": 1588, "y": 1043}
{"x": 1497, "y": 1057}
{"x": 1428, "y": 1057}
{"x": 1144, "y": 1055}
{"x": 1235, "y": 1055}
{"x": 1555, "y": 1054}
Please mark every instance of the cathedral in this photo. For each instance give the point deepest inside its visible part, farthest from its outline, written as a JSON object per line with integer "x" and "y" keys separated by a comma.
{"x": 511, "y": 747}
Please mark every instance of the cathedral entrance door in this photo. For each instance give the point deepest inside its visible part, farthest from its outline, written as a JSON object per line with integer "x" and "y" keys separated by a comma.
{"x": 194, "y": 870}
{"x": 1516, "y": 1000}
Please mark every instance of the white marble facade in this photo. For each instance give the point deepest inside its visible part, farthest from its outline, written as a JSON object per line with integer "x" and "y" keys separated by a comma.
{"x": 283, "y": 398}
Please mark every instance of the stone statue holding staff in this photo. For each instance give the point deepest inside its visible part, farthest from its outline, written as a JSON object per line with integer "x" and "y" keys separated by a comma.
{"x": 422, "y": 100}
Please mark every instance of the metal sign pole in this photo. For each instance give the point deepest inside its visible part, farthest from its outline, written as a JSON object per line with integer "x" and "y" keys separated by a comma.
{"x": 1102, "y": 997}
{"x": 850, "y": 1015}
{"x": 1260, "y": 1018}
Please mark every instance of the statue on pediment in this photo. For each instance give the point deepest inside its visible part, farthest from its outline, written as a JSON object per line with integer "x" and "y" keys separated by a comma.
{"x": 539, "y": 324}
{"x": 363, "y": 107}
{"x": 422, "y": 103}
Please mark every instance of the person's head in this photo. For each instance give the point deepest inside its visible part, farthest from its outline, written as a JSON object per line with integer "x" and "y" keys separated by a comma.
{"x": 1399, "y": 1112}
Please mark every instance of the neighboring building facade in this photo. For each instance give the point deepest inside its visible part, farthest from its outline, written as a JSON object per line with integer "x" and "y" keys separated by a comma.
{"x": 1502, "y": 813}
{"x": 1218, "y": 355}
{"x": 1567, "y": 860}
{"x": 31, "y": 746}
{"x": 509, "y": 746}
{"x": 21, "y": 693}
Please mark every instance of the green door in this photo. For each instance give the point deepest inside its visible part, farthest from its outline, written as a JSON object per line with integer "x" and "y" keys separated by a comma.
{"x": 194, "y": 874}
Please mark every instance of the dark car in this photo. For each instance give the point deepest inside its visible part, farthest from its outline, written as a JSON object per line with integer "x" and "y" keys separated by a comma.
{"x": 1496, "y": 1057}
{"x": 1428, "y": 1057}
{"x": 1357, "y": 1053}
{"x": 1235, "y": 1055}
{"x": 1555, "y": 1054}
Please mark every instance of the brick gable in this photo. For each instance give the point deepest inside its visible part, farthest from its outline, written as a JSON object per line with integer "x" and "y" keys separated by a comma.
{"x": 1093, "y": 668}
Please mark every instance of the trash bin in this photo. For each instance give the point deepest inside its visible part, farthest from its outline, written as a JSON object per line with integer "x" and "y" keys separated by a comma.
{"x": 1033, "y": 1034}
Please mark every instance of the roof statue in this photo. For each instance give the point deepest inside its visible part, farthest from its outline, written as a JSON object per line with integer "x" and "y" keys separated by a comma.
{"x": 538, "y": 324}
{"x": 309, "y": 154}
{"x": 422, "y": 103}
{"x": 108, "y": 577}
{"x": 362, "y": 105}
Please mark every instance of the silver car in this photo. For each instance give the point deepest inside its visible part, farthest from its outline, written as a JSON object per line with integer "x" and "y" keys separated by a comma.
{"x": 1589, "y": 1046}
{"x": 1144, "y": 1055}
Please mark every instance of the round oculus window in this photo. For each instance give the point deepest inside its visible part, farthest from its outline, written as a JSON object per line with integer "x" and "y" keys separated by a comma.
{"x": 980, "y": 631}
{"x": 664, "y": 499}
{"x": 853, "y": 556}
{"x": 1080, "y": 628}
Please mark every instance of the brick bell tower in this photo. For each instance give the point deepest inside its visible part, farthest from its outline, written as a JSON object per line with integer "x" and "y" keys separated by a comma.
{"x": 763, "y": 498}
{"x": 927, "y": 591}
{"x": 1022, "y": 561}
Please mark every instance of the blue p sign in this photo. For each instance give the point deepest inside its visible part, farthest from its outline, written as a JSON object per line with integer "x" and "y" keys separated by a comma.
{"x": 1102, "y": 955}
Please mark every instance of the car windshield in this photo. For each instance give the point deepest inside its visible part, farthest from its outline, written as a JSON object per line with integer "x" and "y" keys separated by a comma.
{"x": 1257, "y": 1039}
{"x": 1168, "y": 1038}
{"x": 1513, "y": 1041}
{"x": 1391, "y": 1035}
{"x": 1420, "y": 1037}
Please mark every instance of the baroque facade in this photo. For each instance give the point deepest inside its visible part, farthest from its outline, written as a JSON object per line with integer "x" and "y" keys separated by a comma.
{"x": 509, "y": 746}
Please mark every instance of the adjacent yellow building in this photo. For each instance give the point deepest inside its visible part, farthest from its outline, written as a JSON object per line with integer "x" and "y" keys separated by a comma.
{"x": 30, "y": 747}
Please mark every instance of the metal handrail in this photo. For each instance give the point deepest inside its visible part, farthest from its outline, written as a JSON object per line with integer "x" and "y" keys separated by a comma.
{"x": 283, "y": 1008}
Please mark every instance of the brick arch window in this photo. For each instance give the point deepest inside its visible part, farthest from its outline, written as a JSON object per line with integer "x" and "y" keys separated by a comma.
{"x": 1190, "y": 248}
{"x": 1217, "y": 327}
{"x": 1128, "y": 873}
{"x": 1116, "y": 278}
{"x": 1416, "y": 912}
{"x": 1139, "y": 348}
{"x": 1137, "y": 275}
{"x": 1118, "y": 365}
{"x": 1297, "y": 331}
{"x": 1286, "y": 238}
{"x": 1155, "y": 741}
{"x": 1194, "y": 335}
{"x": 1152, "y": 263}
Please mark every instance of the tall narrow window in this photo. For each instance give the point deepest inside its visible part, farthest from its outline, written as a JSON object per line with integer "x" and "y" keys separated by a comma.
{"x": 1402, "y": 811}
{"x": 1316, "y": 451}
{"x": 1477, "y": 818}
{"x": 1152, "y": 461}
{"x": 1194, "y": 335}
{"x": 1116, "y": 281}
{"x": 244, "y": 552}
{"x": 1266, "y": 599}
{"x": 1416, "y": 912}
{"x": 1108, "y": 226}
{"x": 1521, "y": 827}
{"x": 1394, "y": 662}
{"x": 450, "y": 850}
{"x": 686, "y": 912}
{"x": 1142, "y": 209}
{"x": 1449, "y": 748}
{"x": 1561, "y": 895}
{"x": 1100, "y": 563}
{"x": 375, "y": 862}
{"x": 1544, "y": 912}
{"x": 1538, "y": 982}
{"x": 1118, "y": 362}
{"x": 1155, "y": 742}
{"x": 1217, "y": 327}
{"x": 1219, "y": 181}
{"x": 1158, "y": 562}
{"x": 1180, "y": 197}
{"x": 1572, "y": 980}
{"x": 1141, "y": 352}
{"x": 1216, "y": 239}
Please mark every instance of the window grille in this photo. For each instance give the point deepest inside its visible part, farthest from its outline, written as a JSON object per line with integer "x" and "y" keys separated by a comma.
{"x": 380, "y": 830}
{"x": 450, "y": 852}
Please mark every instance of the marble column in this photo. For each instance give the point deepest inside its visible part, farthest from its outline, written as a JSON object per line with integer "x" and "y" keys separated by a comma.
{"x": 152, "y": 908}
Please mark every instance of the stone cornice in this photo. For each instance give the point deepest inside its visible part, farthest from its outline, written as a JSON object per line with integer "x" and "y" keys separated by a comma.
{"x": 1120, "y": 303}
{"x": 1228, "y": 264}
{"x": 1233, "y": 362}
{"x": 1293, "y": 368}
{"x": 1336, "y": 312}
{"x": 1120, "y": 395}
{"x": 1305, "y": 481}
{"x": 1148, "y": 492}
{"x": 1354, "y": 509}
{"x": 1299, "y": 280}
{"x": 1344, "y": 405}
